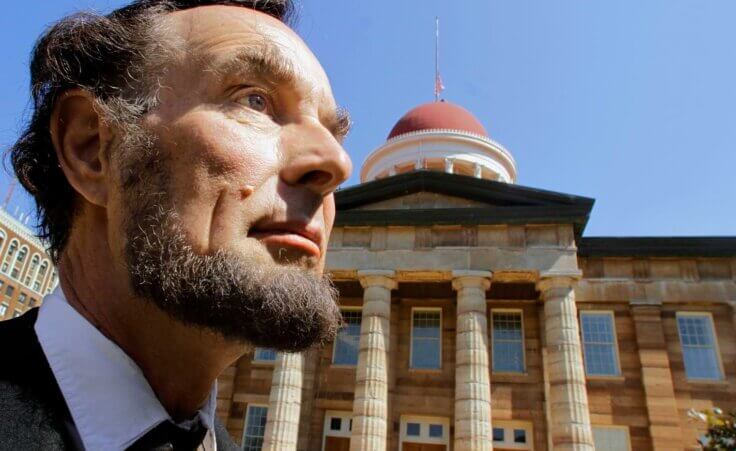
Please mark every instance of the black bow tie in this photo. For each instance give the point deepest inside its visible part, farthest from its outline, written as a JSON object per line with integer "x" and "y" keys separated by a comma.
{"x": 168, "y": 436}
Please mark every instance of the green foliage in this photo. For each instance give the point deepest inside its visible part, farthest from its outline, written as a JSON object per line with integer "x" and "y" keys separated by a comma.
{"x": 721, "y": 435}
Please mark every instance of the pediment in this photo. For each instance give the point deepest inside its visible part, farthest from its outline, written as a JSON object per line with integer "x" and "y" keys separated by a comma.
{"x": 432, "y": 189}
{"x": 422, "y": 200}
{"x": 430, "y": 197}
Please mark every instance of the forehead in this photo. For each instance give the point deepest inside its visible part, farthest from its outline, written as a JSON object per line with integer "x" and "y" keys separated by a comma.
{"x": 216, "y": 34}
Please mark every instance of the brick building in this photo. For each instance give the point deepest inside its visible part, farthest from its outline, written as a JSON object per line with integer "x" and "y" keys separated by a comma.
{"x": 478, "y": 316}
{"x": 26, "y": 271}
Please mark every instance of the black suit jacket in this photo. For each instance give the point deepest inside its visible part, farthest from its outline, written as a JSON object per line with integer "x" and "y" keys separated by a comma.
{"x": 33, "y": 413}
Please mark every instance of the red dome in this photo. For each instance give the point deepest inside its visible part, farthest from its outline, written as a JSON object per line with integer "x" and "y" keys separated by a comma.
{"x": 438, "y": 115}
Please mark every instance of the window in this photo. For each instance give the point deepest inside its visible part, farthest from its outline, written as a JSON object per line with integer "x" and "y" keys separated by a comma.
{"x": 348, "y": 339}
{"x": 32, "y": 303}
{"x": 512, "y": 435}
{"x": 426, "y": 348}
{"x": 41, "y": 275}
{"x": 20, "y": 260}
{"x": 335, "y": 424}
{"x": 412, "y": 429}
{"x": 336, "y": 432}
{"x": 508, "y": 341}
{"x": 264, "y": 355}
{"x": 52, "y": 282}
{"x": 699, "y": 349}
{"x": 436, "y": 430}
{"x": 9, "y": 255}
{"x": 3, "y": 309}
{"x": 424, "y": 430}
{"x": 255, "y": 426}
{"x": 22, "y": 298}
{"x": 498, "y": 435}
{"x": 17, "y": 313}
{"x": 31, "y": 269}
{"x": 9, "y": 290}
{"x": 611, "y": 438}
{"x": 599, "y": 344}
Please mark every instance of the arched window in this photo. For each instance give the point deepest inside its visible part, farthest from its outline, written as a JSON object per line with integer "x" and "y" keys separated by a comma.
{"x": 9, "y": 255}
{"x": 2, "y": 239}
{"x": 32, "y": 270}
{"x": 52, "y": 282}
{"x": 41, "y": 275}
{"x": 17, "y": 265}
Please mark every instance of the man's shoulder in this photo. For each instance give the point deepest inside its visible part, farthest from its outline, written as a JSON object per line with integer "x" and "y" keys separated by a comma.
{"x": 22, "y": 350}
{"x": 34, "y": 412}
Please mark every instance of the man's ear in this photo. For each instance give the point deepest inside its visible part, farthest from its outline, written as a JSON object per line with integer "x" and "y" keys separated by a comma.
{"x": 81, "y": 139}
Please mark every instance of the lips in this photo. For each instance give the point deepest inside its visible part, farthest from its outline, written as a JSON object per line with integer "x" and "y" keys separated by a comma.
{"x": 301, "y": 237}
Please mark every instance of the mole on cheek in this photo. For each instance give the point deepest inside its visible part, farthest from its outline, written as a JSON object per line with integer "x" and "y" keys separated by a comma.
{"x": 246, "y": 191}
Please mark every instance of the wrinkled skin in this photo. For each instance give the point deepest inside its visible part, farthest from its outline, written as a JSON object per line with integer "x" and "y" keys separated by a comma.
{"x": 250, "y": 142}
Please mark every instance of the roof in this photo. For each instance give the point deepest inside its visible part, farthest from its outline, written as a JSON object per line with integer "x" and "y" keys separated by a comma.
{"x": 506, "y": 203}
{"x": 681, "y": 246}
{"x": 440, "y": 115}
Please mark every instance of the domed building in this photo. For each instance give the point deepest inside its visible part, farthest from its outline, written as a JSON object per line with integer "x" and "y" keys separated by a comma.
{"x": 478, "y": 316}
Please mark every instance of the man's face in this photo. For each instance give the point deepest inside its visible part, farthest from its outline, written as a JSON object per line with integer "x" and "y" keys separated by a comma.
{"x": 227, "y": 209}
{"x": 253, "y": 137}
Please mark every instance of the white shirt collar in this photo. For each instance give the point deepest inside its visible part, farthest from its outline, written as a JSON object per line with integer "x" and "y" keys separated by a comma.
{"x": 108, "y": 396}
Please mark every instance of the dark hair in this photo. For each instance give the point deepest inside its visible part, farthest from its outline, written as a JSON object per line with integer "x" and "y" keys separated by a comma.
{"x": 107, "y": 56}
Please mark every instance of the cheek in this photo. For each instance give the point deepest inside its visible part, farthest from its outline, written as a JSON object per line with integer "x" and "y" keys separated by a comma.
{"x": 223, "y": 147}
{"x": 213, "y": 158}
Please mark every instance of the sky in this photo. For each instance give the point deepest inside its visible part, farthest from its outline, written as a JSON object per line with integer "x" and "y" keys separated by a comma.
{"x": 631, "y": 103}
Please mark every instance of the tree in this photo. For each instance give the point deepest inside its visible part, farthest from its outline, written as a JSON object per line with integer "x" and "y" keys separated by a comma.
{"x": 721, "y": 435}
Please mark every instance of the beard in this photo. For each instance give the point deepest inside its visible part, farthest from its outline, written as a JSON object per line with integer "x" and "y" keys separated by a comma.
{"x": 284, "y": 307}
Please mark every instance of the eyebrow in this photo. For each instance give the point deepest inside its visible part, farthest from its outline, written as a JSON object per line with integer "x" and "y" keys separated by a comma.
{"x": 339, "y": 124}
{"x": 271, "y": 66}
{"x": 266, "y": 62}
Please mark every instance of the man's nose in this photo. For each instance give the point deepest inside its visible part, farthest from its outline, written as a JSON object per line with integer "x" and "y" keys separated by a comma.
{"x": 314, "y": 158}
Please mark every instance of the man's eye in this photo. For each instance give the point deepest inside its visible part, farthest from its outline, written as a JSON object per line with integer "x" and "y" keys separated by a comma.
{"x": 255, "y": 101}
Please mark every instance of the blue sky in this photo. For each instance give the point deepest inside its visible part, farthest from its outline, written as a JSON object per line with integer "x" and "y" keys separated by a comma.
{"x": 629, "y": 102}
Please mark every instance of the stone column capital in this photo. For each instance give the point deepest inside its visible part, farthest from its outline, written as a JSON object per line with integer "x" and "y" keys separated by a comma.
{"x": 550, "y": 280}
{"x": 377, "y": 278}
{"x": 471, "y": 279}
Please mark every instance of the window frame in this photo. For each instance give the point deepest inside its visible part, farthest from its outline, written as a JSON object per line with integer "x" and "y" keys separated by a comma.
{"x": 23, "y": 263}
{"x": 716, "y": 348}
{"x": 617, "y": 355}
{"x": 264, "y": 361}
{"x": 612, "y": 426}
{"x": 9, "y": 257}
{"x": 523, "y": 341}
{"x": 345, "y": 430}
{"x": 424, "y": 438}
{"x": 334, "y": 343}
{"x": 411, "y": 338}
{"x": 509, "y": 427}
{"x": 245, "y": 422}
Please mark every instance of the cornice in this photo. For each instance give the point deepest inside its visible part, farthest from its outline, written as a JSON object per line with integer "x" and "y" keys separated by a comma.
{"x": 21, "y": 230}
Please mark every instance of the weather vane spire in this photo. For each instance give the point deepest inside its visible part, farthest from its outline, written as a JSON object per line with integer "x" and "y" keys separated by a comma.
{"x": 438, "y": 86}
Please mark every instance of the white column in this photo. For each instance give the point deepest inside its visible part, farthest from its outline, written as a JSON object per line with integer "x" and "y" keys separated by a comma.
{"x": 449, "y": 165}
{"x": 284, "y": 402}
{"x": 370, "y": 407}
{"x": 568, "y": 399}
{"x": 472, "y": 379}
{"x": 477, "y": 171}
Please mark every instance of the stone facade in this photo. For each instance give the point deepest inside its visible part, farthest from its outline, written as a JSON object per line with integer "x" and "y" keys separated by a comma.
{"x": 549, "y": 276}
